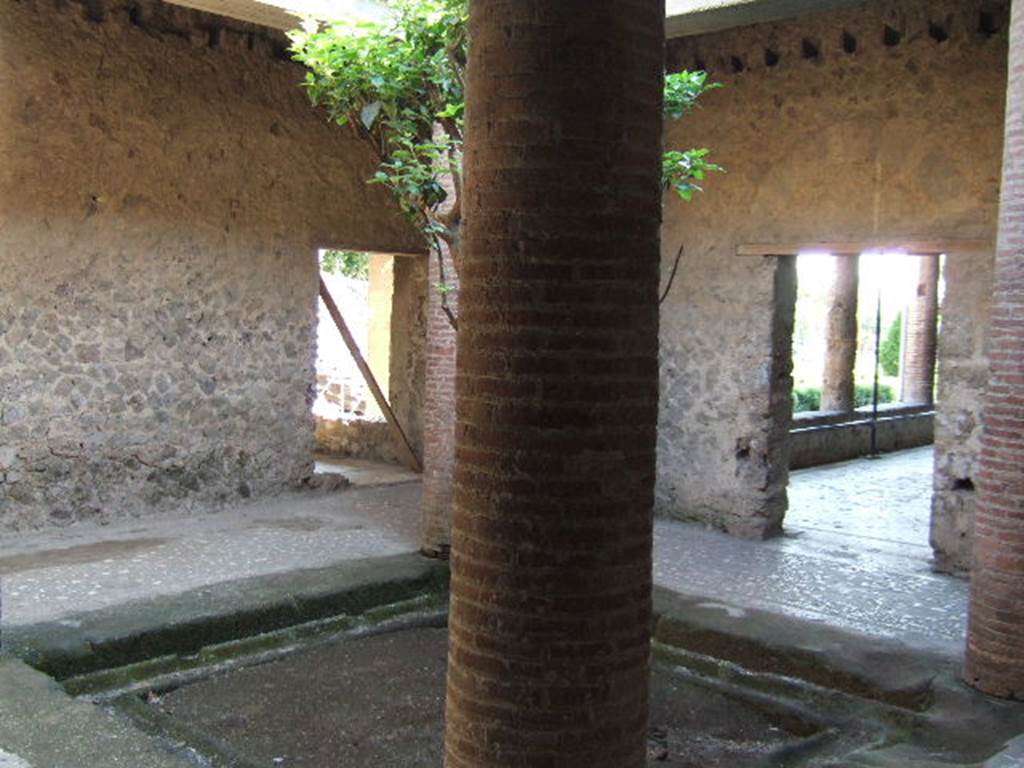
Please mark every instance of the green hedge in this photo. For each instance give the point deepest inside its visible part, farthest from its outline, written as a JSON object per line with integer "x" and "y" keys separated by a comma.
{"x": 809, "y": 398}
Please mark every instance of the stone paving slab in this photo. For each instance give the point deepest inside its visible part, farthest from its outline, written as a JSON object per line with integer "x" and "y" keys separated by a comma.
{"x": 232, "y": 610}
{"x": 42, "y": 727}
{"x": 863, "y": 666}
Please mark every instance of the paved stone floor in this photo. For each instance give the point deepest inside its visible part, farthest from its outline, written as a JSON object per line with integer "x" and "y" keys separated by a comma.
{"x": 855, "y": 554}
{"x": 47, "y": 575}
{"x": 364, "y": 474}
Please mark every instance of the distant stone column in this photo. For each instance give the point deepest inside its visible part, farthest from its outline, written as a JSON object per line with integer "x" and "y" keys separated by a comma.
{"x": 841, "y": 337}
{"x": 922, "y": 336}
{"x": 995, "y": 636}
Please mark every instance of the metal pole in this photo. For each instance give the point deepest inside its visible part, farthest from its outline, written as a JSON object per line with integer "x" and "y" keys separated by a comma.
{"x": 874, "y": 395}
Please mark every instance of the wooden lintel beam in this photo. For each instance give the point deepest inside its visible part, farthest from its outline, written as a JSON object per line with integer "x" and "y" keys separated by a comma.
{"x": 405, "y": 450}
{"x": 910, "y": 246}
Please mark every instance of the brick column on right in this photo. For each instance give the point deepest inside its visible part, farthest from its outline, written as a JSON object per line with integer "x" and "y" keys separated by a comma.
{"x": 922, "y": 336}
{"x": 841, "y": 337}
{"x": 995, "y": 637}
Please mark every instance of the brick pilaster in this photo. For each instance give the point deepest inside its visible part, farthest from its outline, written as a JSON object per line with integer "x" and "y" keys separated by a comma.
{"x": 995, "y": 642}
{"x": 438, "y": 413}
{"x": 557, "y": 386}
{"x": 922, "y": 336}
{"x": 841, "y": 336}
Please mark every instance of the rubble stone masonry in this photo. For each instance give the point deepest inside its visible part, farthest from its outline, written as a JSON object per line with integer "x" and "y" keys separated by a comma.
{"x": 879, "y": 121}
{"x": 163, "y": 185}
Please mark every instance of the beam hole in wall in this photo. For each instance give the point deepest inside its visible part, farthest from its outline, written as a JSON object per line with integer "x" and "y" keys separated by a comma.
{"x": 95, "y": 10}
{"x": 937, "y": 32}
{"x": 891, "y": 37}
{"x": 136, "y": 16}
{"x": 849, "y": 43}
{"x": 809, "y": 49}
{"x": 988, "y": 23}
{"x": 771, "y": 58}
{"x": 963, "y": 484}
{"x": 736, "y": 64}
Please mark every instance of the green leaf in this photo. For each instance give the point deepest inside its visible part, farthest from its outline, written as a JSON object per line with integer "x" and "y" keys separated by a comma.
{"x": 369, "y": 113}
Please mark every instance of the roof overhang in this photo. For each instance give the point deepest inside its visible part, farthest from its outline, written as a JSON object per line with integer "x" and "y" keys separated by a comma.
{"x": 698, "y": 17}
{"x": 683, "y": 18}
{"x": 287, "y": 14}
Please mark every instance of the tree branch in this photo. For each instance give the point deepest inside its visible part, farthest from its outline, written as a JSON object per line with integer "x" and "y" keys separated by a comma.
{"x": 672, "y": 274}
{"x": 439, "y": 250}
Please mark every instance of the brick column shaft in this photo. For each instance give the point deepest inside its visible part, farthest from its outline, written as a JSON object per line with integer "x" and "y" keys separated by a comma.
{"x": 922, "y": 335}
{"x": 841, "y": 337}
{"x": 995, "y": 641}
{"x": 438, "y": 413}
{"x": 557, "y": 386}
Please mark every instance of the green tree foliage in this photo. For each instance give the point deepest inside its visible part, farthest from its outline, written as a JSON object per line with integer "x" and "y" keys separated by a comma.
{"x": 349, "y": 263}
{"x": 889, "y": 354}
{"x": 399, "y": 87}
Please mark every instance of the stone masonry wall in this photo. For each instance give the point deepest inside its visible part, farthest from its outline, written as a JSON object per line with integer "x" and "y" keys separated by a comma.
{"x": 963, "y": 374}
{"x": 879, "y": 121}
{"x": 163, "y": 183}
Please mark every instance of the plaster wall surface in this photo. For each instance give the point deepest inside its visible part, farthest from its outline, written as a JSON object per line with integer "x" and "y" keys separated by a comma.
{"x": 163, "y": 184}
{"x": 879, "y": 121}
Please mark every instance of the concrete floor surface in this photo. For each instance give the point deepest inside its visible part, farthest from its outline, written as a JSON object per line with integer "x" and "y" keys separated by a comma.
{"x": 362, "y": 473}
{"x": 853, "y": 555}
{"x": 47, "y": 575}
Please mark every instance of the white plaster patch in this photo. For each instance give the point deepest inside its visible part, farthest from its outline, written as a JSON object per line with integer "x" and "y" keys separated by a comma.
{"x": 733, "y": 611}
{"x": 7, "y": 760}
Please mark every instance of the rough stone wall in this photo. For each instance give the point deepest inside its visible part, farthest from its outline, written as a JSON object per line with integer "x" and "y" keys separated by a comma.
{"x": 879, "y": 121}
{"x": 356, "y": 438}
{"x": 163, "y": 183}
{"x": 963, "y": 373}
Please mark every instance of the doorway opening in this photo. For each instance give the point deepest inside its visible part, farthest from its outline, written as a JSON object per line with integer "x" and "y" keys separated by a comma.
{"x": 361, "y": 284}
{"x": 864, "y": 382}
{"x": 353, "y": 436}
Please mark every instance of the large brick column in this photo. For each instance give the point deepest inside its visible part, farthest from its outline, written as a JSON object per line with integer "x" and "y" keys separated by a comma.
{"x": 841, "y": 337}
{"x": 557, "y": 385}
{"x": 995, "y": 640}
{"x": 922, "y": 336}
